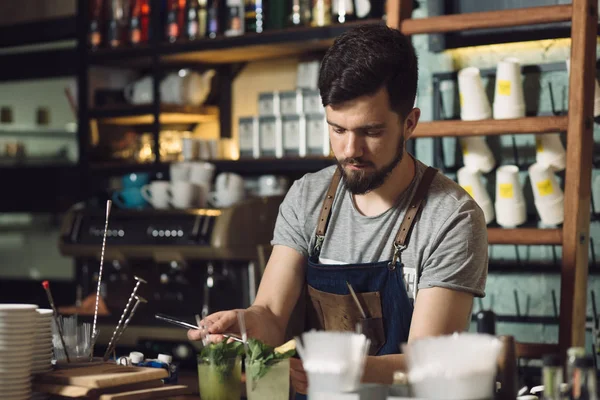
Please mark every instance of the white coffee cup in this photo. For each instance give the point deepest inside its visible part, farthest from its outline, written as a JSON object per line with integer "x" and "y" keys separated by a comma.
{"x": 470, "y": 180}
{"x": 184, "y": 194}
{"x": 139, "y": 92}
{"x": 157, "y": 193}
{"x": 229, "y": 182}
{"x": 202, "y": 173}
{"x": 477, "y": 154}
{"x": 547, "y": 193}
{"x": 474, "y": 103}
{"x": 509, "y": 99}
{"x": 510, "y": 205}
{"x": 550, "y": 151}
{"x": 271, "y": 185}
{"x": 180, "y": 171}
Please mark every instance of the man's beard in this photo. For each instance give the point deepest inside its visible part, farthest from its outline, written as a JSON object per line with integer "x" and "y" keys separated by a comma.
{"x": 363, "y": 181}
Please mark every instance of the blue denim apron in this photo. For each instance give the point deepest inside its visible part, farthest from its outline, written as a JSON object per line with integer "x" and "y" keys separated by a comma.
{"x": 383, "y": 282}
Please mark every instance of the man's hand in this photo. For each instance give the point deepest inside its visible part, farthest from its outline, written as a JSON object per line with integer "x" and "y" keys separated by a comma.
{"x": 260, "y": 324}
{"x": 298, "y": 375}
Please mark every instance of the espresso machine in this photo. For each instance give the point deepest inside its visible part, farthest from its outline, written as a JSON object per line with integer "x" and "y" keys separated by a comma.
{"x": 194, "y": 261}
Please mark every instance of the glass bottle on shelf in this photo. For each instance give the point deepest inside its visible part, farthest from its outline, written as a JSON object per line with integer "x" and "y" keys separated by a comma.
{"x": 300, "y": 13}
{"x": 343, "y": 11}
{"x": 583, "y": 382}
{"x": 197, "y": 19}
{"x": 214, "y": 16}
{"x": 235, "y": 18}
{"x": 96, "y": 24}
{"x": 254, "y": 15}
{"x": 139, "y": 24}
{"x": 175, "y": 19}
{"x": 369, "y": 9}
{"x": 321, "y": 13}
{"x": 552, "y": 376}
{"x": 117, "y": 23}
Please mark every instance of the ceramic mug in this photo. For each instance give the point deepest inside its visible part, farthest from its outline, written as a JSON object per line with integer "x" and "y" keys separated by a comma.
{"x": 129, "y": 198}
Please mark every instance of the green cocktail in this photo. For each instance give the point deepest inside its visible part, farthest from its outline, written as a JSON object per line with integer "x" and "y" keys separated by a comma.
{"x": 221, "y": 381}
{"x": 268, "y": 381}
{"x": 220, "y": 371}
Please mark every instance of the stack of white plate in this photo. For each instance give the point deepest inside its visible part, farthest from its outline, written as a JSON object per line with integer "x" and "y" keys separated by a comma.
{"x": 42, "y": 346}
{"x": 17, "y": 335}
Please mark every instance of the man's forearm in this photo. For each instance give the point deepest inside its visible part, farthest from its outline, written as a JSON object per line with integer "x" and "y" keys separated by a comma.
{"x": 380, "y": 369}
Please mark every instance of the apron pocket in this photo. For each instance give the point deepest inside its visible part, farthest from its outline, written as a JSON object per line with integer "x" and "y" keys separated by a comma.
{"x": 335, "y": 312}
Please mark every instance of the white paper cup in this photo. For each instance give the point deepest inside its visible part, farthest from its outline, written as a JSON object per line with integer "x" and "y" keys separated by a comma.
{"x": 550, "y": 151}
{"x": 474, "y": 103}
{"x": 510, "y": 201}
{"x": 596, "y": 90}
{"x": 547, "y": 193}
{"x": 477, "y": 154}
{"x": 509, "y": 99}
{"x": 190, "y": 149}
{"x": 470, "y": 180}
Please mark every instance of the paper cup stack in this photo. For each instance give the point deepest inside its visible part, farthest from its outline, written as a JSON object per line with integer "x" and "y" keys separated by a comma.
{"x": 474, "y": 106}
{"x": 470, "y": 180}
{"x": 42, "y": 347}
{"x": 333, "y": 361}
{"x": 17, "y": 335}
{"x": 459, "y": 366}
{"x": 548, "y": 195}
{"x": 511, "y": 210}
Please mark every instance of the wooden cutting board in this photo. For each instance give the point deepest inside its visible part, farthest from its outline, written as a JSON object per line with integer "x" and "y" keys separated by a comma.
{"x": 80, "y": 391}
{"x": 165, "y": 392}
{"x": 102, "y": 376}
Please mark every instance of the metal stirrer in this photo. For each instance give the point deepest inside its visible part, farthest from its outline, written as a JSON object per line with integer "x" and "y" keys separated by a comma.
{"x": 139, "y": 300}
{"x": 118, "y": 327}
{"x": 94, "y": 330}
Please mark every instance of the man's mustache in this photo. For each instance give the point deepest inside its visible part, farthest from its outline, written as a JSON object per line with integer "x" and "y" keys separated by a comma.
{"x": 355, "y": 161}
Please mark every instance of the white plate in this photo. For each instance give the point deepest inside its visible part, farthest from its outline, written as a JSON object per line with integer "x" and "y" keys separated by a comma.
{"x": 8, "y": 307}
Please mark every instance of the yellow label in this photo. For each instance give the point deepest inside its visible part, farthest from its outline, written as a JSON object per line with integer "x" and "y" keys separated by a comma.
{"x": 539, "y": 145}
{"x": 465, "y": 149}
{"x": 504, "y": 87}
{"x": 469, "y": 189}
{"x": 545, "y": 187}
{"x": 506, "y": 190}
{"x": 461, "y": 99}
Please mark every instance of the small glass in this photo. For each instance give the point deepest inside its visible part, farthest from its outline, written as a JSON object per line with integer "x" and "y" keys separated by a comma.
{"x": 268, "y": 382}
{"x": 220, "y": 381}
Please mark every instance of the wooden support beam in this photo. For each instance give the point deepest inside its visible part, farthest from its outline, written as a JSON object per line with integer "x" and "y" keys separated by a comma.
{"x": 576, "y": 227}
{"x": 535, "y": 350}
{"x": 488, "y": 19}
{"x": 398, "y": 11}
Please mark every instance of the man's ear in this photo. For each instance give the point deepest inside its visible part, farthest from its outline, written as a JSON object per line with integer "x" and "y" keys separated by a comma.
{"x": 410, "y": 122}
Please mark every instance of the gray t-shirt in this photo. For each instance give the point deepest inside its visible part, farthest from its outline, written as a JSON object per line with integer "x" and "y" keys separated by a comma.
{"x": 447, "y": 248}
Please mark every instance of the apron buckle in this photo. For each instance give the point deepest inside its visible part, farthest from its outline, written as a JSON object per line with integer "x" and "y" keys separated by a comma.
{"x": 318, "y": 244}
{"x": 398, "y": 248}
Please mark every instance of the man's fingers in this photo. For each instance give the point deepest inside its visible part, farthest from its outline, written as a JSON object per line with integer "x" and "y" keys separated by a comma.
{"x": 296, "y": 364}
{"x": 298, "y": 376}
{"x": 194, "y": 334}
{"x": 225, "y": 322}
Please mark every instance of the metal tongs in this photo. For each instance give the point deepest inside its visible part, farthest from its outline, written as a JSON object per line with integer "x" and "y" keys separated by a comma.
{"x": 187, "y": 325}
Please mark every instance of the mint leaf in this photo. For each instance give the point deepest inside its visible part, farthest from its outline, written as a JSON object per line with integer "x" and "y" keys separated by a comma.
{"x": 260, "y": 359}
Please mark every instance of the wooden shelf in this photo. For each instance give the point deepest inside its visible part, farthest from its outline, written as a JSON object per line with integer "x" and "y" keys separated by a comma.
{"x": 526, "y": 236}
{"x": 486, "y": 20}
{"x": 144, "y": 114}
{"x": 535, "y": 350}
{"x": 488, "y": 127}
{"x": 241, "y": 166}
{"x": 255, "y": 46}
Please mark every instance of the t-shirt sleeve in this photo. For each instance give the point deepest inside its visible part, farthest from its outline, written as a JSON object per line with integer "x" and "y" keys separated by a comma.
{"x": 459, "y": 256}
{"x": 289, "y": 226}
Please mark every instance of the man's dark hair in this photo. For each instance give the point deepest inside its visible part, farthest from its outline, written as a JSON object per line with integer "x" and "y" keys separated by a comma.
{"x": 364, "y": 59}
